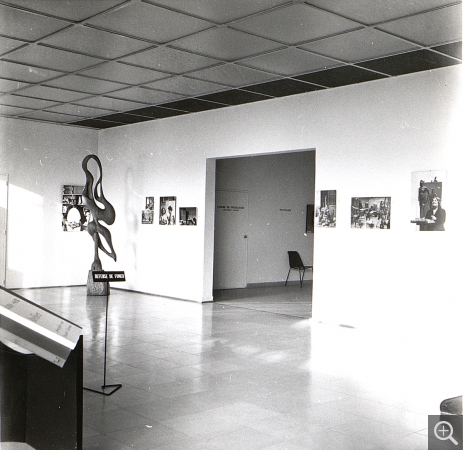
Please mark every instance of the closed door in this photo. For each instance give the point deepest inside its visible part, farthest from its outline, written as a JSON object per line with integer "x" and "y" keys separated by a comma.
{"x": 230, "y": 239}
{"x": 3, "y": 224}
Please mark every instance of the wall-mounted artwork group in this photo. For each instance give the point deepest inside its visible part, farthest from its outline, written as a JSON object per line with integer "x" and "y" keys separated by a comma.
{"x": 427, "y": 211}
{"x": 74, "y": 216}
{"x": 167, "y": 212}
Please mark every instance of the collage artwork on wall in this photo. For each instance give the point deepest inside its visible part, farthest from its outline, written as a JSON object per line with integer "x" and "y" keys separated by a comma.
{"x": 74, "y": 216}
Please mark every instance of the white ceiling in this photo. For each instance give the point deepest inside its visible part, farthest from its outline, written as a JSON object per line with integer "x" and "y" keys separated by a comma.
{"x": 104, "y": 63}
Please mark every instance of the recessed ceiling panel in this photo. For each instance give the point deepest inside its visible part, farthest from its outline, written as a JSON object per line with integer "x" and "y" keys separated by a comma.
{"x": 350, "y": 47}
{"x": 185, "y": 86}
{"x": 68, "y": 9}
{"x": 295, "y": 24}
{"x": 94, "y": 42}
{"x": 221, "y": 11}
{"x": 6, "y": 45}
{"x": 290, "y": 61}
{"x": 77, "y": 110}
{"x": 436, "y": 27}
{"x": 26, "y": 73}
{"x": 226, "y": 44}
{"x": 142, "y": 95}
{"x": 125, "y": 118}
{"x": 48, "y": 93}
{"x": 341, "y": 76}
{"x": 235, "y": 97}
{"x": 193, "y": 105}
{"x": 50, "y": 117}
{"x": 25, "y": 102}
{"x": 282, "y": 88}
{"x": 85, "y": 84}
{"x": 10, "y": 86}
{"x": 96, "y": 123}
{"x": 233, "y": 75}
{"x": 112, "y": 104}
{"x": 369, "y": 12}
{"x": 169, "y": 60}
{"x": 149, "y": 22}
{"x": 450, "y": 49}
{"x": 11, "y": 110}
{"x": 123, "y": 73}
{"x": 51, "y": 58}
{"x": 19, "y": 24}
{"x": 409, "y": 63}
{"x": 156, "y": 112}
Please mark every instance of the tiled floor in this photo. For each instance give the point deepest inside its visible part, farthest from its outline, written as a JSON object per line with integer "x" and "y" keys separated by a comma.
{"x": 242, "y": 374}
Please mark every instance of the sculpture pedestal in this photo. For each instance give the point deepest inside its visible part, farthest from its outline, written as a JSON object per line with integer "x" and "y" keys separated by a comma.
{"x": 95, "y": 287}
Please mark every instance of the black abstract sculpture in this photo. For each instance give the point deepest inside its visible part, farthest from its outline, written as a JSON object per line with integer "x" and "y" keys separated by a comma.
{"x": 92, "y": 196}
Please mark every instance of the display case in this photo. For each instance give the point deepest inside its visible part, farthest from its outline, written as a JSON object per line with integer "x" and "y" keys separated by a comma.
{"x": 41, "y": 375}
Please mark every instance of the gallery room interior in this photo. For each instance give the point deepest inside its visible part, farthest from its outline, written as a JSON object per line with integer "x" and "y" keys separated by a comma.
{"x": 230, "y": 133}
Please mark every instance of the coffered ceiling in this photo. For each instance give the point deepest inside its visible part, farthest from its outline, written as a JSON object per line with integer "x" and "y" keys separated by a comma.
{"x": 107, "y": 63}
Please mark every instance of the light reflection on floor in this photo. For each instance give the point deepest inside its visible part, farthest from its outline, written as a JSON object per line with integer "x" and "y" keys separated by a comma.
{"x": 245, "y": 373}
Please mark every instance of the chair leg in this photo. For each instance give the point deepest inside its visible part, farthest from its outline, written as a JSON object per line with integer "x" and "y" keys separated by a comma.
{"x": 287, "y": 277}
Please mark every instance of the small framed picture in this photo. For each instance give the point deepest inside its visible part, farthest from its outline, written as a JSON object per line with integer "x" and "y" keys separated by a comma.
{"x": 371, "y": 213}
{"x": 147, "y": 216}
{"x": 187, "y": 216}
{"x": 167, "y": 209}
{"x": 149, "y": 203}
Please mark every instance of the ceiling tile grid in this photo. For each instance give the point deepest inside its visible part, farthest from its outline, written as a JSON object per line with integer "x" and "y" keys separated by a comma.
{"x": 106, "y": 63}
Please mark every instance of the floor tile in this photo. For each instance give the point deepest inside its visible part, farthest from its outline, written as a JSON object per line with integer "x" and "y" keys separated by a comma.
{"x": 248, "y": 371}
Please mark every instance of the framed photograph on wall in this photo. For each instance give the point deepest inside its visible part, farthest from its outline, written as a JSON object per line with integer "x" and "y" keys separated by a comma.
{"x": 371, "y": 213}
{"x": 427, "y": 211}
{"x": 187, "y": 216}
{"x": 149, "y": 203}
{"x": 147, "y": 216}
{"x": 74, "y": 215}
{"x": 167, "y": 209}
{"x": 325, "y": 209}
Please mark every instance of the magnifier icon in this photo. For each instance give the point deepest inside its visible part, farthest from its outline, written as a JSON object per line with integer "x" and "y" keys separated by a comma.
{"x": 443, "y": 430}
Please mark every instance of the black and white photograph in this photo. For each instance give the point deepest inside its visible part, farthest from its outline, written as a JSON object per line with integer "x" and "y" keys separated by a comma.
{"x": 428, "y": 212}
{"x": 187, "y": 216}
{"x": 167, "y": 209}
{"x": 325, "y": 209}
{"x": 200, "y": 154}
{"x": 74, "y": 215}
{"x": 149, "y": 204}
{"x": 147, "y": 216}
{"x": 371, "y": 213}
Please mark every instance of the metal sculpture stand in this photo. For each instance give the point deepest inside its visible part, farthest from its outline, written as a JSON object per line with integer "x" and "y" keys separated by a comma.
{"x": 106, "y": 277}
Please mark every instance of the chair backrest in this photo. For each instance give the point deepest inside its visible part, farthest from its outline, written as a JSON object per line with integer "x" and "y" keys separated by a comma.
{"x": 295, "y": 260}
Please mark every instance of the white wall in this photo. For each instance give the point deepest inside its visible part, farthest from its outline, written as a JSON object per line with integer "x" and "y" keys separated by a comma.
{"x": 368, "y": 139}
{"x": 279, "y": 187}
{"x": 39, "y": 159}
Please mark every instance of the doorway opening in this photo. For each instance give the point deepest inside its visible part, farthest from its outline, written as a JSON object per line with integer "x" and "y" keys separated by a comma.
{"x": 261, "y": 214}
